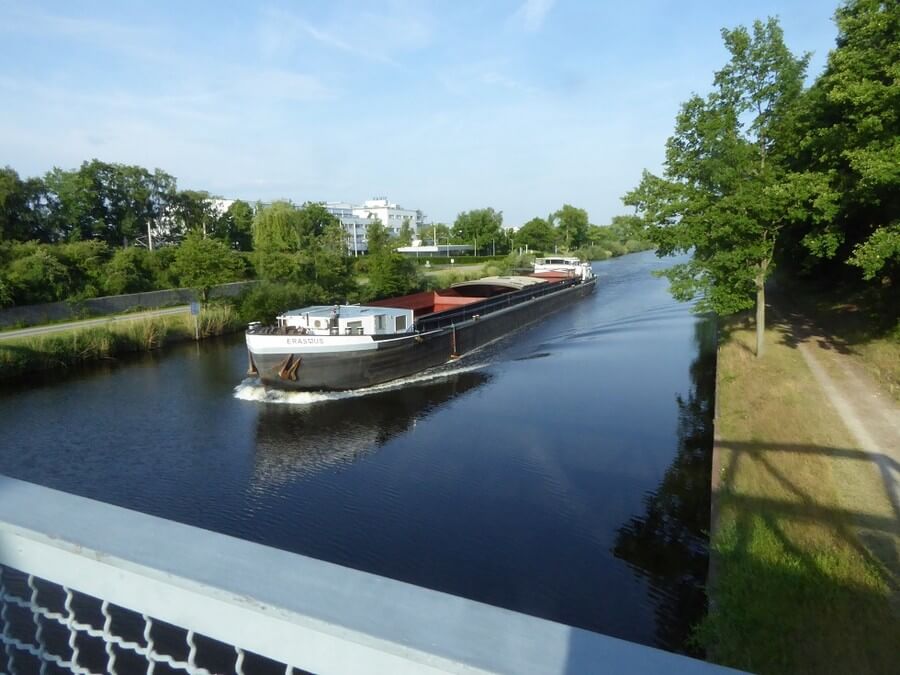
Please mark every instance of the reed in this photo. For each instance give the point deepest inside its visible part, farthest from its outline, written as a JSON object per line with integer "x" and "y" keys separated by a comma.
{"x": 59, "y": 351}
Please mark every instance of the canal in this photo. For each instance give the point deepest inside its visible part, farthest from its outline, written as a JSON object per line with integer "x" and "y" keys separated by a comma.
{"x": 562, "y": 472}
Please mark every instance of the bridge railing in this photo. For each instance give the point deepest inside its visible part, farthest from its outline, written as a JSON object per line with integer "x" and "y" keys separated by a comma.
{"x": 86, "y": 587}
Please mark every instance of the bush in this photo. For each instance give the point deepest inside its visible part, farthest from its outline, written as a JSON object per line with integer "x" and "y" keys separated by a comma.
{"x": 267, "y": 299}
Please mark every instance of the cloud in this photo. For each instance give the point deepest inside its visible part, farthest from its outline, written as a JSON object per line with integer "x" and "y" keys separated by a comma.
{"x": 532, "y": 13}
{"x": 370, "y": 36}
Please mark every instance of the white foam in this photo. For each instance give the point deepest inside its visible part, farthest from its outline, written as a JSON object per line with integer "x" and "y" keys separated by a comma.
{"x": 251, "y": 389}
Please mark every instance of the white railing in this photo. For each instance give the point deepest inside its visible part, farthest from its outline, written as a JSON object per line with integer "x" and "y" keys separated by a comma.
{"x": 91, "y": 588}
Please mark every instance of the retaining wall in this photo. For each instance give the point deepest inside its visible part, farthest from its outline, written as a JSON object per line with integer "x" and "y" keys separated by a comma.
{"x": 29, "y": 315}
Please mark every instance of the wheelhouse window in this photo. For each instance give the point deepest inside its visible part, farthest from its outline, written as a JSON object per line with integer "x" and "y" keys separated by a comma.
{"x": 400, "y": 324}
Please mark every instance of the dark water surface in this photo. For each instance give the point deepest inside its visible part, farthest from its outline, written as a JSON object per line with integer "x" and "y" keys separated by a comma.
{"x": 563, "y": 472}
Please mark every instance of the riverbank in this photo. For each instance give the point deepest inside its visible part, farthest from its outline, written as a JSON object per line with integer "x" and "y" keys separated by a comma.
{"x": 62, "y": 350}
{"x": 806, "y": 541}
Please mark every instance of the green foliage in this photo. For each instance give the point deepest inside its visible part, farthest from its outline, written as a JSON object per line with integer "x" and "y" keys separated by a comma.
{"x": 405, "y": 236}
{"x": 572, "y": 226}
{"x": 727, "y": 192}
{"x": 874, "y": 254}
{"x": 537, "y": 234}
{"x": 38, "y": 276}
{"x": 849, "y": 135}
{"x": 203, "y": 263}
{"x": 438, "y": 234}
{"x": 236, "y": 226}
{"x": 194, "y": 213}
{"x": 312, "y": 221}
{"x": 390, "y": 273}
{"x": 516, "y": 263}
{"x": 479, "y": 224}
{"x": 276, "y": 228}
{"x": 267, "y": 299}
{"x": 129, "y": 271}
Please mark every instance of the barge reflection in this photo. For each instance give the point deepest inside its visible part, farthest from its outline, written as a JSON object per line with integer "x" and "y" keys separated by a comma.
{"x": 296, "y": 441}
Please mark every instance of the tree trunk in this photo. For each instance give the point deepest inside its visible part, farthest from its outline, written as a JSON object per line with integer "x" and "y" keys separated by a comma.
{"x": 760, "y": 314}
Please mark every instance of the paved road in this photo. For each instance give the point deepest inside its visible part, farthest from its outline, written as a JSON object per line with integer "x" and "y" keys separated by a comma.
{"x": 87, "y": 323}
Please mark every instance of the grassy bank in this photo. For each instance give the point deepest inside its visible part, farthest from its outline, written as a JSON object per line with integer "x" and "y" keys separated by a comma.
{"x": 796, "y": 588}
{"x": 62, "y": 350}
{"x": 865, "y": 323}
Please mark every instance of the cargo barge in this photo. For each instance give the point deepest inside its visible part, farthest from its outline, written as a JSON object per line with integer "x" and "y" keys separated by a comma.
{"x": 324, "y": 347}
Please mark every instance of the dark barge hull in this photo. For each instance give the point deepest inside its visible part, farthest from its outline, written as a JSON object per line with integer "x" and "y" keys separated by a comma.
{"x": 397, "y": 358}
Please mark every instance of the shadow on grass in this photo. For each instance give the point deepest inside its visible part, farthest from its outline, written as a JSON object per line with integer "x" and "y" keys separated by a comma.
{"x": 785, "y": 605}
{"x": 834, "y": 318}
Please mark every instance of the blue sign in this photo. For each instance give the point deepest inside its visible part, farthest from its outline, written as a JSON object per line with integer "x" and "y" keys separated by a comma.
{"x": 195, "y": 308}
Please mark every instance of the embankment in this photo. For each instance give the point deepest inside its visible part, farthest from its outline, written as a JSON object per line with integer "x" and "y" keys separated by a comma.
{"x": 32, "y": 315}
{"x": 804, "y": 570}
{"x": 62, "y": 350}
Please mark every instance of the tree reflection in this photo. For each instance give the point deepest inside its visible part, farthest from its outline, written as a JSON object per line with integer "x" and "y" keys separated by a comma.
{"x": 669, "y": 544}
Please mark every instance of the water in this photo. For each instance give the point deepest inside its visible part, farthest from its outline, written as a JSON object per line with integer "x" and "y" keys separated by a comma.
{"x": 562, "y": 472}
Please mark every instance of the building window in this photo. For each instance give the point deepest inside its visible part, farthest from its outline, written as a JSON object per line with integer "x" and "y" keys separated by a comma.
{"x": 400, "y": 324}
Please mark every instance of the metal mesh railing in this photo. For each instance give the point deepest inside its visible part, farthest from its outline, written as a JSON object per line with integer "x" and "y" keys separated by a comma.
{"x": 48, "y": 628}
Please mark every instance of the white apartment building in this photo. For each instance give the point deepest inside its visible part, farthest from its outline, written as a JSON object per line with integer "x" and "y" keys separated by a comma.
{"x": 354, "y": 226}
{"x": 356, "y": 218}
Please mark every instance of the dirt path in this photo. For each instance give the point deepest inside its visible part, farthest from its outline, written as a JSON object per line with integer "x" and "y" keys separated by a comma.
{"x": 872, "y": 417}
{"x": 88, "y": 323}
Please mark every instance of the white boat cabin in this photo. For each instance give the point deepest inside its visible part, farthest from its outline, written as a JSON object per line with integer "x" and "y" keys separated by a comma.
{"x": 347, "y": 320}
{"x": 561, "y": 264}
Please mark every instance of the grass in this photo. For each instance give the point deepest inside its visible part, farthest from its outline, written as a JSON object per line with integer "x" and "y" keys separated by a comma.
{"x": 795, "y": 586}
{"x": 864, "y": 323}
{"x": 59, "y": 351}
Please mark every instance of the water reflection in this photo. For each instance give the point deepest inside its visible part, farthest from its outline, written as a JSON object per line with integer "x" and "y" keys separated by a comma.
{"x": 668, "y": 544}
{"x": 296, "y": 441}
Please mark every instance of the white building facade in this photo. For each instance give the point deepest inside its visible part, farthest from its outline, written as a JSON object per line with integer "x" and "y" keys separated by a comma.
{"x": 355, "y": 218}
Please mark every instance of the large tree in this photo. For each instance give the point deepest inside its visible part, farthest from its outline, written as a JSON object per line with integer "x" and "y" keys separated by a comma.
{"x": 572, "y": 225}
{"x": 236, "y": 226}
{"x": 22, "y": 213}
{"x": 478, "y": 225}
{"x": 203, "y": 263}
{"x": 727, "y": 192}
{"x": 850, "y": 136}
{"x": 389, "y": 272}
{"x": 537, "y": 234}
{"x": 276, "y": 228}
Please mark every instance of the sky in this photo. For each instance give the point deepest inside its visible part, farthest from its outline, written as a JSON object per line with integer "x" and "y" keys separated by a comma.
{"x": 440, "y": 106}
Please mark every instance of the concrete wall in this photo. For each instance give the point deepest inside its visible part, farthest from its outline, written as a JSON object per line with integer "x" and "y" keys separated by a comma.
{"x": 30, "y": 315}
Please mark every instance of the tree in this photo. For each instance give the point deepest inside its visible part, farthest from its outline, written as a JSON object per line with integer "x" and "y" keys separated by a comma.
{"x": 389, "y": 272}
{"x": 86, "y": 262}
{"x": 311, "y": 222}
{"x": 726, "y": 192}
{"x": 572, "y": 224}
{"x": 203, "y": 263}
{"x": 332, "y": 264}
{"x": 439, "y": 232}
{"x": 478, "y": 225}
{"x": 38, "y": 276}
{"x": 405, "y": 236}
{"x": 194, "y": 212}
{"x": 276, "y": 229}
{"x": 537, "y": 235}
{"x": 22, "y": 216}
{"x": 624, "y": 228}
{"x": 237, "y": 226}
{"x": 850, "y": 137}
{"x": 129, "y": 271}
